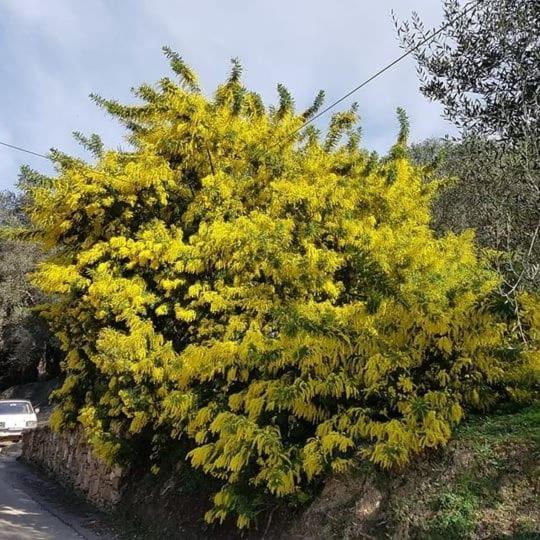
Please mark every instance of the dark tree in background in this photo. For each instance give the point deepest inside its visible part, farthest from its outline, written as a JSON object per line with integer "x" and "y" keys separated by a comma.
{"x": 484, "y": 68}
{"x": 27, "y": 348}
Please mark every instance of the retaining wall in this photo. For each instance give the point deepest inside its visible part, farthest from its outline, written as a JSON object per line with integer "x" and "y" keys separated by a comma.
{"x": 68, "y": 458}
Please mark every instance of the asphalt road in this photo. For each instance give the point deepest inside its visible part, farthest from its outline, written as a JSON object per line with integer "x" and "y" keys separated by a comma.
{"x": 34, "y": 508}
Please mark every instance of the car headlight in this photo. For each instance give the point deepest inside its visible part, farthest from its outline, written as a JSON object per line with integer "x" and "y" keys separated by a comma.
{"x": 31, "y": 424}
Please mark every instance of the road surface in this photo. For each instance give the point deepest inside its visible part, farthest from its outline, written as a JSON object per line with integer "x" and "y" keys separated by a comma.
{"x": 34, "y": 508}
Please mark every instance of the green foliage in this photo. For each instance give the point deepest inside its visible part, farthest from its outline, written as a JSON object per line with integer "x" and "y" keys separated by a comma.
{"x": 315, "y": 107}
{"x": 483, "y": 67}
{"x": 455, "y": 517}
{"x": 518, "y": 423}
{"x": 277, "y": 304}
{"x": 493, "y": 191}
{"x": 26, "y": 345}
{"x": 93, "y": 143}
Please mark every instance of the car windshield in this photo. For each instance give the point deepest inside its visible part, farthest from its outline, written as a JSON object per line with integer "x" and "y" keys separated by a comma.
{"x": 15, "y": 407}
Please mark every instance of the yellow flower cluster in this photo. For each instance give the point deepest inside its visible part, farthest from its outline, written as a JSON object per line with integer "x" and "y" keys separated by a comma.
{"x": 279, "y": 305}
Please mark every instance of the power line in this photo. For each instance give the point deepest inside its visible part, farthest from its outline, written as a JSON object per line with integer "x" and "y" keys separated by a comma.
{"x": 24, "y": 150}
{"x": 425, "y": 41}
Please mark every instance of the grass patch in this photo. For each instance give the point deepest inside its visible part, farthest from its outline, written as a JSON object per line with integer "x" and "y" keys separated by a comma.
{"x": 503, "y": 447}
{"x": 481, "y": 487}
{"x": 503, "y": 425}
{"x": 455, "y": 516}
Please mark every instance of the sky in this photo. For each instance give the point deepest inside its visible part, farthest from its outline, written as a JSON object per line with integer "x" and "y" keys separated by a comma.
{"x": 56, "y": 52}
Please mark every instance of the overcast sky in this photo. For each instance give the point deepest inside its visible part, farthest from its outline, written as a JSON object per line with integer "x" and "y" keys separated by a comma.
{"x": 55, "y": 52}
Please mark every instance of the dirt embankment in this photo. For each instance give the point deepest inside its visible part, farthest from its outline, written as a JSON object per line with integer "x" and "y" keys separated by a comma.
{"x": 484, "y": 485}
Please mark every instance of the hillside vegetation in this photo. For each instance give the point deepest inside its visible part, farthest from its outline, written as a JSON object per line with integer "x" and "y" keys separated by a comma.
{"x": 266, "y": 304}
{"x": 266, "y": 323}
{"x": 484, "y": 485}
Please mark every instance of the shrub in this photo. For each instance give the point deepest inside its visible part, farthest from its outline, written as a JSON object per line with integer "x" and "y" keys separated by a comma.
{"x": 272, "y": 297}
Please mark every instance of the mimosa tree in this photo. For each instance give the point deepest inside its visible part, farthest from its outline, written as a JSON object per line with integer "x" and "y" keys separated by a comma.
{"x": 275, "y": 299}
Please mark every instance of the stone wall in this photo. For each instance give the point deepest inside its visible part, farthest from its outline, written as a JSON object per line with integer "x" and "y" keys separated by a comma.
{"x": 68, "y": 458}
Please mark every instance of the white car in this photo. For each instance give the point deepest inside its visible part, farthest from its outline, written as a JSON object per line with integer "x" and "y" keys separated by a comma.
{"x": 16, "y": 416}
